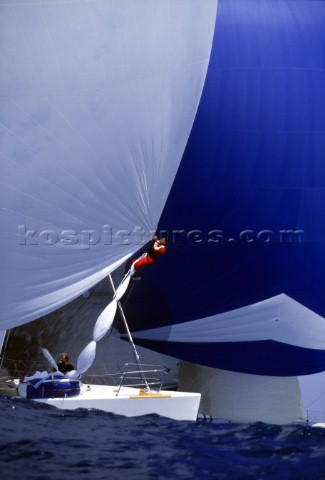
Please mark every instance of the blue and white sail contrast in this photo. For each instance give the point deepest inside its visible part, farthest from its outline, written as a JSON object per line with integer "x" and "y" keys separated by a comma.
{"x": 242, "y": 284}
{"x": 276, "y": 337}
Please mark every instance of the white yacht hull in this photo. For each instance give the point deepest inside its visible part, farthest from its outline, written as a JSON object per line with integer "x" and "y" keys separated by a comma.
{"x": 130, "y": 402}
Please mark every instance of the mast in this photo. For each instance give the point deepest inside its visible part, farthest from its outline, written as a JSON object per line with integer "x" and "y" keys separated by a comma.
{"x": 136, "y": 355}
{"x": 4, "y": 338}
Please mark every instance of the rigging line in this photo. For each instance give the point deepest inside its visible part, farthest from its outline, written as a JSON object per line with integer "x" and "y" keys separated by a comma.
{"x": 116, "y": 362}
{"x": 315, "y": 400}
{"x": 128, "y": 295}
{"x": 136, "y": 355}
{"x": 112, "y": 350}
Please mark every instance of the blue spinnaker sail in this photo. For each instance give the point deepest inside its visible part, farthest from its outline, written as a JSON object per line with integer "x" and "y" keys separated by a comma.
{"x": 246, "y": 211}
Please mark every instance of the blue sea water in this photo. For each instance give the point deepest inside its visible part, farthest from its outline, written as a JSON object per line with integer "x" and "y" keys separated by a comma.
{"x": 40, "y": 442}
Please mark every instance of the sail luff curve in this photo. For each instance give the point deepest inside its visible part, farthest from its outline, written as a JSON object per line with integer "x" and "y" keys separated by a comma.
{"x": 97, "y": 100}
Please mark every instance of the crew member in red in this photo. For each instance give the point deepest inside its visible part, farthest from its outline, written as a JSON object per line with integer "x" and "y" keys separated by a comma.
{"x": 157, "y": 249}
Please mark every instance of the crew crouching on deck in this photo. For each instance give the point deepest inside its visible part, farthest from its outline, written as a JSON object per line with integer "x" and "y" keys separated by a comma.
{"x": 157, "y": 249}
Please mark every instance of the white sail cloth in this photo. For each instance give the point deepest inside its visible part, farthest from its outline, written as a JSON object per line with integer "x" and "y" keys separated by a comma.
{"x": 240, "y": 397}
{"x": 97, "y": 102}
{"x": 279, "y": 318}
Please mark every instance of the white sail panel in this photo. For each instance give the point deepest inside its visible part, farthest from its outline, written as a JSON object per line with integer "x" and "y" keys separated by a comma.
{"x": 279, "y": 318}
{"x": 274, "y": 337}
{"x": 241, "y": 397}
{"x": 97, "y": 100}
{"x": 313, "y": 394}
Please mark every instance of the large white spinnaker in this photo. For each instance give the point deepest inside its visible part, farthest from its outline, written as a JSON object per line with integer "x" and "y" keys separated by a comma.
{"x": 97, "y": 102}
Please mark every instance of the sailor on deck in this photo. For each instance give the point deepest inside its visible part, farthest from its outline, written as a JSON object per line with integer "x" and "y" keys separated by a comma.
{"x": 157, "y": 249}
{"x": 63, "y": 365}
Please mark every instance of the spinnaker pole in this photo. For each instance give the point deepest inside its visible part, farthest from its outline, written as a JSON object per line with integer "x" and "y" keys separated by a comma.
{"x": 136, "y": 355}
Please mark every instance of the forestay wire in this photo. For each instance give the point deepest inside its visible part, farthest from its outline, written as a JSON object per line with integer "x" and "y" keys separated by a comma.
{"x": 103, "y": 325}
